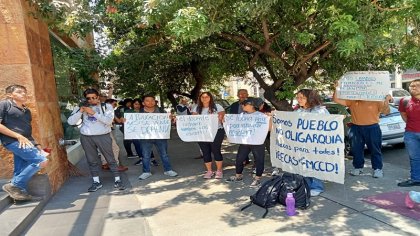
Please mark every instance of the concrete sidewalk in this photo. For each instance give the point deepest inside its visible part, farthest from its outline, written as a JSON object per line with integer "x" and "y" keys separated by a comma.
{"x": 190, "y": 205}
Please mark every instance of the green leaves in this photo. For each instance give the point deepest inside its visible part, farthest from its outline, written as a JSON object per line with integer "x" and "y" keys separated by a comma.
{"x": 344, "y": 25}
{"x": 189, "y": 24}
{"x": 351, "y": 45}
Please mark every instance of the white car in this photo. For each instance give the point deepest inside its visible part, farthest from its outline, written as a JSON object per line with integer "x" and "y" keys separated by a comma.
{"x": 392, "y": 127}
{"x": 397, "y": 94}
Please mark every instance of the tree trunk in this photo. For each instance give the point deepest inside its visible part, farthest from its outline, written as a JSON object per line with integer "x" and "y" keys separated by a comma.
{"x": 199, "y": 80}
{"x": 172, "y": 99}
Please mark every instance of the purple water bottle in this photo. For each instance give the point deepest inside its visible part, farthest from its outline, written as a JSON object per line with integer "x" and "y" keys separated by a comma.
{"x": 290, "y": 205}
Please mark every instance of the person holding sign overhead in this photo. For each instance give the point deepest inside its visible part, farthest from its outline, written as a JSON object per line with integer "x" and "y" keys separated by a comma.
{"x": 250, "y": 106}
{"x": 206, "y": 106}
{"x": 365, "y": 131}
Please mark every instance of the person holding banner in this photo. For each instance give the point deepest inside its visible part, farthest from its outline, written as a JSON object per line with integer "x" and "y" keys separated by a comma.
{"x": 236, "y": 108}
{"x": 206, "y": 106}
{"x": 365, "y": 131}
{"x": 310, "y": 101}
{"x": 250, "y": 106}
{"x": 149, "y": 106}
{"x": 136, "y": 104}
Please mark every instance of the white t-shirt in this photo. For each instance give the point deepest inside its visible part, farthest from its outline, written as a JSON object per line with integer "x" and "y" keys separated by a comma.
{"x": 205, "y": 111}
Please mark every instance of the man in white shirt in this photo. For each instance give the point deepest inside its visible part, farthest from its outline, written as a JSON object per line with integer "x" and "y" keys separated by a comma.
{"x": 96, "y": 134}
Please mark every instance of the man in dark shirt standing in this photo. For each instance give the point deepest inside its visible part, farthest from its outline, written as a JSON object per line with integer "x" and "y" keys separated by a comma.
{"x": 16, "y": 136}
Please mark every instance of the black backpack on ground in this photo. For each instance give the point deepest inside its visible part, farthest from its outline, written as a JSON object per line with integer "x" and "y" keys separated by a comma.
{"x": 299, "y": 187}
{"x": 274, "y": 191}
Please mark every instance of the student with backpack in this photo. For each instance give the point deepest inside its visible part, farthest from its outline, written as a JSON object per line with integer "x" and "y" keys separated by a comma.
{"x": 95, "y": 133}
{"x": 16, "y": 136}
{"x": 250, "y": 106}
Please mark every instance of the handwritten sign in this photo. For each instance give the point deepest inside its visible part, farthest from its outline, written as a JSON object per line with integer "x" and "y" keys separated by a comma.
{"x": 246, "y": 128}
{"x": 364, "y": 85}
{"x": 308, "y": 144}
{"x": 147, "y": 126}
{"x": 197, "y": 128}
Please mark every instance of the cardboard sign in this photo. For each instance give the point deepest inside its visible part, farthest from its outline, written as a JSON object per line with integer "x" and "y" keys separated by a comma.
{"x": 364, "y": 85}
{"x": 308, "y": 144}
{"x": 197, "y": 128}
{"x": 147, "y": 126}
{"x": 246, "y": 128}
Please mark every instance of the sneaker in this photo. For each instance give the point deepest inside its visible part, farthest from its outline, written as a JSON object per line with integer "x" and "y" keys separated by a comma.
{"x": 145, "y": 175}
{"x": 119, "y": 185}
{"x": 154, "y": 162}
{"x": 409, "y": 183}
{"x": 208, "y": 175}
{"x": 234, "y": 179}
{"x": 16, "y": 193}
{"x": 378, "y": 173}
{"x": 122, "y": 168}
{"x": 315, "y": 193}
{"x": 139, "y": 162}
{"x": 95, "y": 186}
{"x": 275, "y": 172}
{"x": 219, "y": 175}
{"x": 256, "y": 182}
{"x": 170, "y": 173}
{"x": 356, "y": 172}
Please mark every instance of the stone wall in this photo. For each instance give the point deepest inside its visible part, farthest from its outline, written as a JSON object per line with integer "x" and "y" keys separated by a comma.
{"x": 26, "y": 59}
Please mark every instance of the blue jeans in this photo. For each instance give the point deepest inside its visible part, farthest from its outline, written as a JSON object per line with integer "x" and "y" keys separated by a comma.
{"x": 26, "y": 162}
{"x": 371, "y": 135}
{"x": 412, "y": 144}
{"x": 162, "y": 147}
{"x": 315, "y": 184}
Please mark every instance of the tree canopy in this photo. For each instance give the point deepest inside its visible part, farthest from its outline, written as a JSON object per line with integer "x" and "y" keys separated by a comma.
{"x": 166, "y": 46}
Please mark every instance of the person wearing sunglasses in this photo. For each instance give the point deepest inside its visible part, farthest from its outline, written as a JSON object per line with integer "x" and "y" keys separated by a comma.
{"x": 95, "y": 133}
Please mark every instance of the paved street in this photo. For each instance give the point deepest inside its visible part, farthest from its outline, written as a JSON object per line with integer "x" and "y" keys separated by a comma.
{"x": 190, "y": 205}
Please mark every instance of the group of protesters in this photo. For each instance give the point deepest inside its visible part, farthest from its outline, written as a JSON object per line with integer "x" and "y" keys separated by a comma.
{"x": 98, "y": 115}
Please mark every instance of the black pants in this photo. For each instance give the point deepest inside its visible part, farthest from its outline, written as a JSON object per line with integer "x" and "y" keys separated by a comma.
{"x": 243, "y": 152}
{"x": 213, "y": 147}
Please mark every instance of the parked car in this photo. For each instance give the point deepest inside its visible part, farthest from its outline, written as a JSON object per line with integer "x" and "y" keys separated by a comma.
{"x": 398, "y": 94}
{"x": 392, "y": 125}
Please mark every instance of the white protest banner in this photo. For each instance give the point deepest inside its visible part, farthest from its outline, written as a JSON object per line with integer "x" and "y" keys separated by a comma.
{"x": 197, "y": 128}
{"x": 246, "y": 128}
{"x": 308, "y": 144}
{"x": 147, "y": 126}
{"x": 364, "y": 85}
